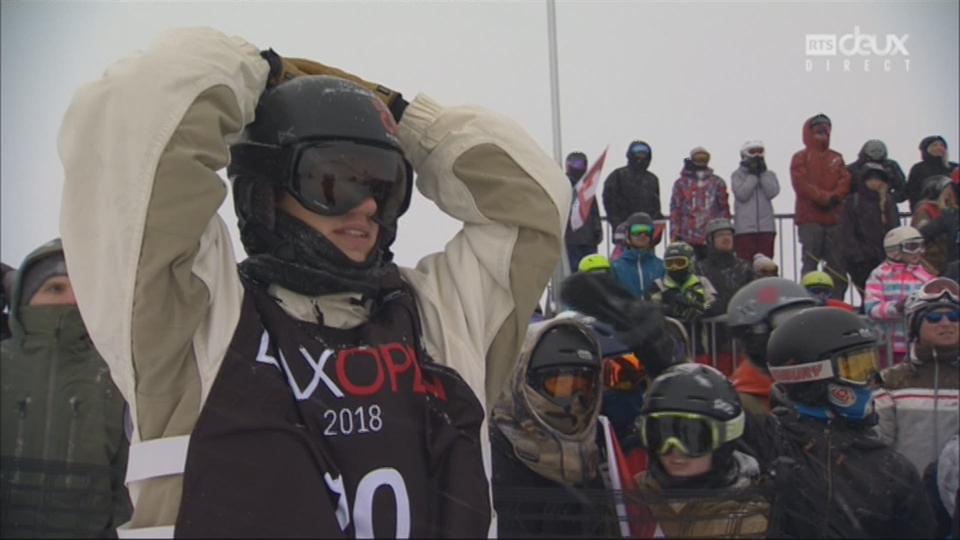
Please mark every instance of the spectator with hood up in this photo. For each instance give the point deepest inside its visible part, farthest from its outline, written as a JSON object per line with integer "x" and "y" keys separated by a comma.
{"x": 63, "y": 443}
{"x": 699, "y": 196}
{"x": 632, "y": 188}
{"x": 543, "y": 435}
{"x": 821, "y": 182}
{"x": 639, "y": 267}
{"x": 874, "y": 152}
{"x": 933, "y": 162}
{"x": 582, "y": 241}
{"x": 868, "y": 213}
{"x": 754, "y": 187}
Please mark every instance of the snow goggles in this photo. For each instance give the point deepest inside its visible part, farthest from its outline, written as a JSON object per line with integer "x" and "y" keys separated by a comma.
{"x": 691, "y": 433}
{"x": 910, "y": 247}
{"x": 577, "y": 163}
{"x": 639, "y": 149}
{"x": 939, "y": 289}
{"x": 675, "y": 264}
{"x": 640, "y": 228}
{"x": 936, "y": 316}
{"x": 755, "y": 151}
{"x": 563, "y": 382}
{"x": 855, "y": 367}
{"x": 333, "y": 177}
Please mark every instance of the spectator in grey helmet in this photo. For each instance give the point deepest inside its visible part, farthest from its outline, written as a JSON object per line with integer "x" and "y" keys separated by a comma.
{"x": 874, "y": 152}
{"x": 754, "y": 187}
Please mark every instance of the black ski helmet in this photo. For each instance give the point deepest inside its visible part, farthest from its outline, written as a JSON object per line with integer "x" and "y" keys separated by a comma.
{"x": 565, "y": 345}
{"x": 693, "y": 388}
{"x": 813, "y": 335}
{"x": 678, "y": 250}
{"x": 308, "y": 108}
{"x": 639, "y": 218}
{"x": 750, "y": 313}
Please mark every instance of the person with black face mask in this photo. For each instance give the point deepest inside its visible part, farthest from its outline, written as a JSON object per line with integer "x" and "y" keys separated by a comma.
{"x": 543, "y": 437}
{"x": 317, "y": 389}
{"x": 584, "y": 240}
{"x": 632, "y": 188}
{"x": 839, "y": 480}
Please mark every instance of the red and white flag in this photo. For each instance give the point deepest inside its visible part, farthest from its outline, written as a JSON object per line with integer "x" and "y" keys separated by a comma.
{"x": 586, "y": 193}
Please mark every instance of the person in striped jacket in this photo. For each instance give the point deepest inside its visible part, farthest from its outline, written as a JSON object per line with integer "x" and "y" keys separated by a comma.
{"x": 918, "y": 403}
{"x": 891, "y": 283}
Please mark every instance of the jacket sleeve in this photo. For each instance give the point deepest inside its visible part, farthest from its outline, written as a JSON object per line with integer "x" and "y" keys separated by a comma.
{"x": 477, "y": 296}
{"x": 655, "y": 185}
{"x": 843, "y": 186}
{"x": 914, "y": 183}
{"x": 150, "y": 261}
{"x": 887, "y": 416}
{"x": 743, "y": 184}
{"x": 612, "y": 198}
{"x": 802, "y": 184}
{"x": 675, "y": 202}
{"x": 595, "y": 223}
{"x": 723, "y": 199}
{"x": 898, "y": 184}
{"x": 876, "y": 305}
{"x": 849, "y": 231}
{"x": 770, "y": 184}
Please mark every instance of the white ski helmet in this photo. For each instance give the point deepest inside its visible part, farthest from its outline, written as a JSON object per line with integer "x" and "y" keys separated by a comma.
{"x": 905, "y": 238}
{"x": 749, "y": 145}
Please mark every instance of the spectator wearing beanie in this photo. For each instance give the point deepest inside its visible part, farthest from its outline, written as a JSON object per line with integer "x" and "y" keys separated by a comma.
{"x": 754, "y": 187}
{"x": 821, "y": 181}
{"x": 699, "y": 196}
{"x": 933, "y": 162}
{"x": 764, "y": 266}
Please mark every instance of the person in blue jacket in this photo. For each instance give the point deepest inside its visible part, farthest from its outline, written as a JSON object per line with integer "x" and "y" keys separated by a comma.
{"x": 639, "y": 267}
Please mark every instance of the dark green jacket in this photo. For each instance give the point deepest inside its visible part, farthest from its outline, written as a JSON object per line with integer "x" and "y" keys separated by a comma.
{"x": 64, "y": 451}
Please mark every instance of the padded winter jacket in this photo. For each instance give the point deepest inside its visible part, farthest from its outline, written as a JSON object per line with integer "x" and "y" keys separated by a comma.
{"x": 818, "y": 174}
{"x": 63, "y": 444}
{"x": 919, "y": 405}
{"x": 925, "y": 168}
{"x": 154, "y": 270}
{"x": 863, "y": 224}
{"x": 637, "y": 270}
{"x": 887, "y": 285}
{"x": 694, "y": 203}
{"x": 753, "y": 200}
{"x": 631, "y": 189}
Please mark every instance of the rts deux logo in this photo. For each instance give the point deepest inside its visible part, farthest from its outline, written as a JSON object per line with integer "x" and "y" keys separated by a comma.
{"x": 857, "y": 51}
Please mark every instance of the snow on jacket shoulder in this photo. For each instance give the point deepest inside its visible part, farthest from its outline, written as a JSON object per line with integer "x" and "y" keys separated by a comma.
{"x": 155, "y": 273}
{"x": 753, "y": 200}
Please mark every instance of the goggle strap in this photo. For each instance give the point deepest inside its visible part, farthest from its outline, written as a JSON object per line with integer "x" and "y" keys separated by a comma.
{"x": 815, "y": 371}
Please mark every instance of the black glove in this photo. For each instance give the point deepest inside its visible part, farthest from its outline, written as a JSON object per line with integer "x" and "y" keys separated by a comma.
{"x": 637, "y": 323}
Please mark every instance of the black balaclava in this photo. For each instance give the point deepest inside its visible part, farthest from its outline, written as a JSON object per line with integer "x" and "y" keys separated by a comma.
{"x": 929, "y": 158}
{"x": 637, "y": 159}
{"x": 576, "y": 166}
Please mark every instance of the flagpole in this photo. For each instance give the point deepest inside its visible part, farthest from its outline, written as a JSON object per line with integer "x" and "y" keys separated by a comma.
{"x": 562, "y": 269}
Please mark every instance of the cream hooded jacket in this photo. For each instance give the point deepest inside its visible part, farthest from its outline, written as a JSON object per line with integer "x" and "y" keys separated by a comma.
{"x": 155, "y": 273}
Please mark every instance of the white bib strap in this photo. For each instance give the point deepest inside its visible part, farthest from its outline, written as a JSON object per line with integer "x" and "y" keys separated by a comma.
{"x": 157, "y": 457}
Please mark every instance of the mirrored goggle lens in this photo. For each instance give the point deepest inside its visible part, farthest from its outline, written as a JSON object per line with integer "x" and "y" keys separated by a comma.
{"x": 856, "y": 367}
{"x": 937, "y": 316}
{"x": 912, "y": 246}
{"x": 563, "y": 383}
{"x": 332, "y": 178}
{"x": 692, "y": 436}
{"x": 676, "y": 264}
{"x": 639, "y": 150}
{"x": 641, "y": 229}
{"x": 939, "y": 287}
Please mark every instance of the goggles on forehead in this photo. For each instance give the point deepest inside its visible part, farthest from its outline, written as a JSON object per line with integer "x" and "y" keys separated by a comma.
{"x": 640, "y": 228}
{"x": 692, "y": 434}
{"x": 936, "y": 316}
{"x": 939, "y": 289}
{"x": 332, "y": 177}
{"x": 563, "y": 382}
{"x": 856, "y": 367}
{"x": 676, "y": 264}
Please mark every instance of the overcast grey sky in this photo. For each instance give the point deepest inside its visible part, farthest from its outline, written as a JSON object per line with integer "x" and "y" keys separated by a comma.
{"x": 676, "y": 74}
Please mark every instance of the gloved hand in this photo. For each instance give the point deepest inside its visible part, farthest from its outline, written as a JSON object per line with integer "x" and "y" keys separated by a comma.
{"x": 637, "y": 323}
{"x": 900, "y": 305}
{"x": 283, "y": 69}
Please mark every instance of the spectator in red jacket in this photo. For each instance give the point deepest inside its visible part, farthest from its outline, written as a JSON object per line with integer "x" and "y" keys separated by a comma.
{"x": 821, "y": 181}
